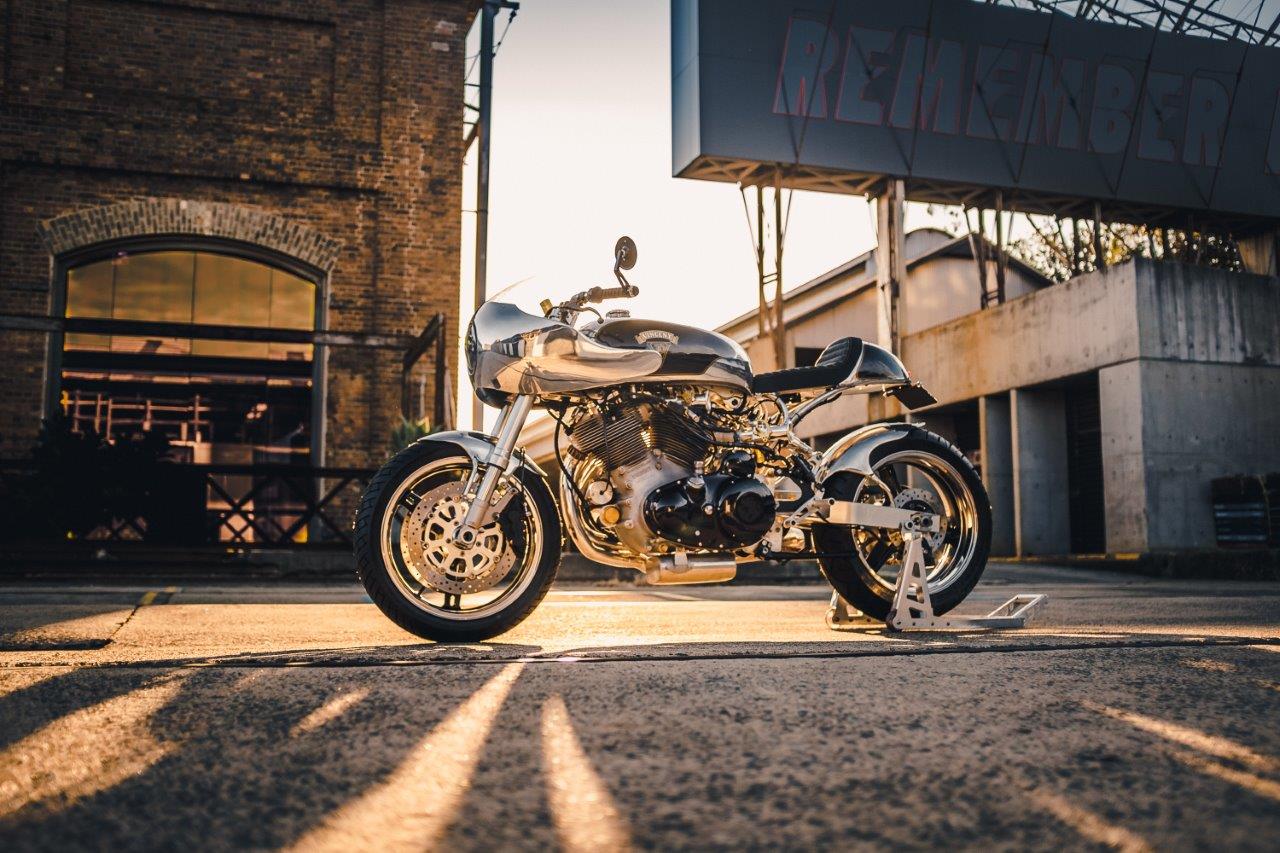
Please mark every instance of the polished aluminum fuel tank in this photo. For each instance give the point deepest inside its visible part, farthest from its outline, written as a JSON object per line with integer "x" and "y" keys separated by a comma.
{"x": 511, "y": 351}
{"x": 688, "y": 354}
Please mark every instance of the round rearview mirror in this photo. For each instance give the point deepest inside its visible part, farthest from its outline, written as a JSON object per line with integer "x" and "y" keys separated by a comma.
{"x": 624, "y": 253}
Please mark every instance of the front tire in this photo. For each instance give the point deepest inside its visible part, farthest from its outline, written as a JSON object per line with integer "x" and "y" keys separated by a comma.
{"x": 414, "y": 585}
{"x": 944, "y": 480}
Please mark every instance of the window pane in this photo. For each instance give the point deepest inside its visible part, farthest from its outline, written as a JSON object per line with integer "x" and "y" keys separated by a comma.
{"x": 231, "y": 292}
{"x": 89, "y": 290}
{"x": 89, "y": 295}
{"x": 293, "y": 302}
{"x": 191, "y": 287}
{"x": 155, "y": 286}
{"x": 223, "y": 411}
{"x": 293, "y": 306}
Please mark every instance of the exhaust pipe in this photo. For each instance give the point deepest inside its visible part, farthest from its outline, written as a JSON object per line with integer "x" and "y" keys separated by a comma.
{"x": 701, "y": 568}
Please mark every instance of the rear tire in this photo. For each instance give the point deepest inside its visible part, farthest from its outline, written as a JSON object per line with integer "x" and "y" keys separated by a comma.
{"x": 389, "y": 592}
{"x": 855, "y": 580}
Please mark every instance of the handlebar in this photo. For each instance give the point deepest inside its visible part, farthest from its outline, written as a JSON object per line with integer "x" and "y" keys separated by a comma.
{"x": 600, "y": 294}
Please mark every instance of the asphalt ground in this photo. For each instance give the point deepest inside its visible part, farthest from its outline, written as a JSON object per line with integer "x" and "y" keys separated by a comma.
{"x": 1133, "y": 714}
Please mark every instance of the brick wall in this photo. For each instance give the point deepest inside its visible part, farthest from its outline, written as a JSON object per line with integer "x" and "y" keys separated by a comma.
{"x": 326, "y": 129}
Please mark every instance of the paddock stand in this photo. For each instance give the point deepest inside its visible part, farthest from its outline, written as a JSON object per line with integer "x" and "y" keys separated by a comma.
{"x": 912, "y": 608}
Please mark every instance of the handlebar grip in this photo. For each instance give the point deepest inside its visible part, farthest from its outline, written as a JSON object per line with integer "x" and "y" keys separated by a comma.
{"x": 600, "y": 294}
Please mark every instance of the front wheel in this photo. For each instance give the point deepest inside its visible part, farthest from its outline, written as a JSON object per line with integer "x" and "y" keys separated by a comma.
{"x": 420, "y": 580}
{"x": 922, "y": 472}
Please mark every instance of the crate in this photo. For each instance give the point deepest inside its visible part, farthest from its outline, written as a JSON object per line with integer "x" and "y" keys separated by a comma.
{"x": 1242, "y": 516}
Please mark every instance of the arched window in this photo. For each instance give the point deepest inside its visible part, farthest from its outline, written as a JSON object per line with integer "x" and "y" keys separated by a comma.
{"x": 211, "y": 349}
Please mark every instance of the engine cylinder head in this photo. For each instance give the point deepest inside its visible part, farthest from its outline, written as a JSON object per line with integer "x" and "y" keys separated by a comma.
{"x": 628, "y": 433}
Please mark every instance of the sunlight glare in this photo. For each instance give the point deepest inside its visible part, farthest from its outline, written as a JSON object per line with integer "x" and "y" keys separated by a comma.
{"x": 328, "y": 712}
{"x": 1258, "y": 785}
{"x": 414, "y": 807}
{"x": 1215, "y": 745}
{"x": 584, "y": 813}
{"x": 86, "y": 751}
{"x": 1090, "y": 825}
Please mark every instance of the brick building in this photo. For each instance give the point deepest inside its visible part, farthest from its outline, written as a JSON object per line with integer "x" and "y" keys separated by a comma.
{"x": 172, "y": 168}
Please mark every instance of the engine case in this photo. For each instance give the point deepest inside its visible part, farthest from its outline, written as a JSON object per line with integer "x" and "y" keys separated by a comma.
{"x": 716, "y": 511}
{"x": 632, "y": 484}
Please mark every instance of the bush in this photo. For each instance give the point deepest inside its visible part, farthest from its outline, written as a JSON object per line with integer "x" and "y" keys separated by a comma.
{"x": 82, "y": 482}
{"x": 407, "y": 432}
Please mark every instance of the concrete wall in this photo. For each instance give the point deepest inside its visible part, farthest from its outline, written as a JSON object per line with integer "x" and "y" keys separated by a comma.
{"x": 1123, "y": 466}
{"x": 1203, "y": 421}
{"x": 1202, "y": 401}
{"x": 1086, "y": 323}
{"x": 1199, "y": 314}
{"x": 996, "y": 430}
{"x": 1071, "y": 328}
{"x": 1040, "y": 505}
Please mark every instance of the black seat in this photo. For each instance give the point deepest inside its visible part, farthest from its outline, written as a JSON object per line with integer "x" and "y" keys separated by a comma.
{"x": 833, "y": 366}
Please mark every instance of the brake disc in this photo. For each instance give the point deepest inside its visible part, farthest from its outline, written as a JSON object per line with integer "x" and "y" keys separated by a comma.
{"x": 919, "y": 500}
{"x": 426, "y": 541}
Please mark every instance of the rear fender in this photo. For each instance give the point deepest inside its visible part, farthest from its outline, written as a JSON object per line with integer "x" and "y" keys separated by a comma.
{"x": 477, "y": 445}
{"x": 852, "y": 453}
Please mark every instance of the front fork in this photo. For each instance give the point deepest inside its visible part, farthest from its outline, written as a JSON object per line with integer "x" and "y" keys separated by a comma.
{"x": 510, "y": 422}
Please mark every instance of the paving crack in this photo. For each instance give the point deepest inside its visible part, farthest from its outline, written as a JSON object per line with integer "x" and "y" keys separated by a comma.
{"x": 329, "y": 659}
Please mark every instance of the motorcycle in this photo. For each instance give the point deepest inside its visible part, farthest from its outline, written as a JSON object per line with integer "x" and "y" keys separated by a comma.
{"x": 674, "y": 460}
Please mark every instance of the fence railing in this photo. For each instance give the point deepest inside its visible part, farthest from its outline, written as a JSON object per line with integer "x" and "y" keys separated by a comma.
{"x": 281, "y": 505}
{"x": 266, "y": 505}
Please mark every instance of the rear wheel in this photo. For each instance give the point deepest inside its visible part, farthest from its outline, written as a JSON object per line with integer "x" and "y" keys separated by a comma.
{"x": 923, "y": 472}
{"x": 419, "y": 579}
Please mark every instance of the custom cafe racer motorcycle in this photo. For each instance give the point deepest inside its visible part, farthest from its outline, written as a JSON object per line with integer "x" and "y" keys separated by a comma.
{"x": 673, "y": 459}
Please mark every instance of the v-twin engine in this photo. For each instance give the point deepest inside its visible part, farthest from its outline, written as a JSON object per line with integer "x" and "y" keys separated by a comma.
{"x": 648, "y": 488}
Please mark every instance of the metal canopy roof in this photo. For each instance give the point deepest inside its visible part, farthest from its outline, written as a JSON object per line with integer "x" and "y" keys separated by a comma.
{"x": 1251, "y": 21}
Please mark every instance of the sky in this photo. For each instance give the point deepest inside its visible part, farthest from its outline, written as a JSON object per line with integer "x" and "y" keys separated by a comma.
{"x": 581, "y": 154}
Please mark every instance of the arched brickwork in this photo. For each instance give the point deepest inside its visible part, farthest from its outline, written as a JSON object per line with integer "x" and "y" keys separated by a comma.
{"x": 177, "y": 217}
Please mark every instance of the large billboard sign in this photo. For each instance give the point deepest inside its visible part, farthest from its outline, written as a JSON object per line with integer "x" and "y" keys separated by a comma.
{"x": 954, "y": 93}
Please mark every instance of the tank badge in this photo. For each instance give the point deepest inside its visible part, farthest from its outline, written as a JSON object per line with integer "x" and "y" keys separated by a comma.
{"x": 656, "y": 334}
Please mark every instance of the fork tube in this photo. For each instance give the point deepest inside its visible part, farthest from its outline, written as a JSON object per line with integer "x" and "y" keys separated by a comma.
{"x": 510, "y": 422}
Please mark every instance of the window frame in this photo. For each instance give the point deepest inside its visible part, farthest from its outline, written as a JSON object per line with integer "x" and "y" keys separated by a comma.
{"x": 62, "y": 264}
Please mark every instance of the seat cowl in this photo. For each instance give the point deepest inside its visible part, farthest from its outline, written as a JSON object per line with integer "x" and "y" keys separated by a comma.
{"x": 834, "y": 365}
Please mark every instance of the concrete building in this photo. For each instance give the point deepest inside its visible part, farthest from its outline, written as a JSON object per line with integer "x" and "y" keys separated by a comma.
{"x": 1098, "y": 410}
{"x": 173, "y": 169}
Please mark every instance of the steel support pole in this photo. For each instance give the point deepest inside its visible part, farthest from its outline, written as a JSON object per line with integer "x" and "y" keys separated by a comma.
{"x": 487, "y": 14}
{"x": 890, "y": 267}
{"x": 1099, "y": 251}
{"x": 779, "y": 323}
{"x": 891, "y": 271}
{"x": 440, "y": 412}
{"x": 762, "y": 316}
{"x": 1002, "y": 253}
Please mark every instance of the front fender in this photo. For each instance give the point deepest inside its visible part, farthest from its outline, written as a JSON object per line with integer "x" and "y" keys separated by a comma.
{"x": 852, "y": 453}
{"x": 477, "y": 445}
